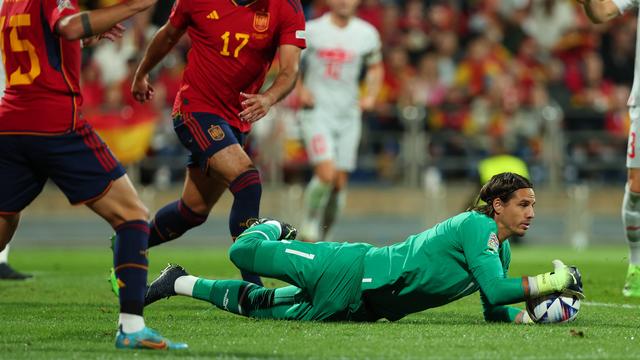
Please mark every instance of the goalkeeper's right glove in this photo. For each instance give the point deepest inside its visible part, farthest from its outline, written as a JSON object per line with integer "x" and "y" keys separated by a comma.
{"x": 562, "y": 279}
{"x": 287, "y": 231}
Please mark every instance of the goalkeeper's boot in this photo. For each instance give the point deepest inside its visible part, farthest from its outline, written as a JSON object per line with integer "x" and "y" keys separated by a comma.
{"x": 146, "y": 339}
{"x": 113, "y": 280}
{"x": 163, "y": 286}
{"x": 632, "y": 284}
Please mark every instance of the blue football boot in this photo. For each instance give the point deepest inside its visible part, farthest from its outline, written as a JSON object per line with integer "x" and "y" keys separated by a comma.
{"x": 146, "y": 339}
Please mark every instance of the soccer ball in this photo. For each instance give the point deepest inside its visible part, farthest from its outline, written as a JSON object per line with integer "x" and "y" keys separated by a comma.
{"x": 554, "y": 308}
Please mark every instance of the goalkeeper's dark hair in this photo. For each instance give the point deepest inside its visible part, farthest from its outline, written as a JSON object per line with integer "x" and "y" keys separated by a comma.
{"x": 500, "y": 186}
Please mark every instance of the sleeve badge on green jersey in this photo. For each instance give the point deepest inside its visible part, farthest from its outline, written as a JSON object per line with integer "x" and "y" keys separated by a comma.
{"x": 493, "y": 244}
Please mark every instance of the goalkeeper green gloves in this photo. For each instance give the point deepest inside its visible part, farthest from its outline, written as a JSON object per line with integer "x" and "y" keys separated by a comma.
{"x": 562, "y": 279}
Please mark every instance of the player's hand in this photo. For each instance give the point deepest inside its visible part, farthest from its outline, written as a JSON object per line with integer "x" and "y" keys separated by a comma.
{"x": 287, "y": 231}
{"x": 255, "y": 106}
{"x": 575, "y": 288}
{"x": 563, "y": 278}
{"x": 523, "y": 318}
{"x": 141, "y": 90}
{"x": 307, "y": 100}
{"x": 112, "y": 34}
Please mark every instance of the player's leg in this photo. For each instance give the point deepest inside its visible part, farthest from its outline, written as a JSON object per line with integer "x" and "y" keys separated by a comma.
{"x": 319, "y": 144}
{"x": 234, "y": 165}
{"x": 347, "y": 141}
{"x": 6, "y": 271}
{"x": 226, "y": 159}
{"x": 236, "y": 296}
{"x": 200, "y": 193}
{"x": 335, "y": 205}
{"x": 631, "y": 207}
{"x": 86, "y": 171}
{"x": 20, "y": 184}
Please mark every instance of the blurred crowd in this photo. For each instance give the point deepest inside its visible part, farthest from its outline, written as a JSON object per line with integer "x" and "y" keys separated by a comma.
{"x": 475, "y": 72}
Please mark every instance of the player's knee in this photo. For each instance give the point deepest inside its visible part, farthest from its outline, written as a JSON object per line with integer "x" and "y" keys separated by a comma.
{"x": 633, "y": 179}
{"x": 139, "y": 212}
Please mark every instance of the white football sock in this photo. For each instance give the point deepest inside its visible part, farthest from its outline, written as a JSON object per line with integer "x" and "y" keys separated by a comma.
{"x": 184, "y": 285}
{"x": 130, "y": 323}
{"x": 4, "y": 255}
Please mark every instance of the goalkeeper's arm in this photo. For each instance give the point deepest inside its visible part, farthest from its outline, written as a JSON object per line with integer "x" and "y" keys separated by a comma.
{"x": 498, "y": 290}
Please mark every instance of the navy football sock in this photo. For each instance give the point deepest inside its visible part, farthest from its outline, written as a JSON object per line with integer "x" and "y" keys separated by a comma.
{"x": 130, "y": 263}
{"x": 172, "y": 221}
{"x": 246, "y": 190}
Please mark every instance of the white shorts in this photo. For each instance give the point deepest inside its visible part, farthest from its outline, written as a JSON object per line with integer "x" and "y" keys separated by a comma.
{"x": 330, "y": 137}
{"x": 633, "y": 150}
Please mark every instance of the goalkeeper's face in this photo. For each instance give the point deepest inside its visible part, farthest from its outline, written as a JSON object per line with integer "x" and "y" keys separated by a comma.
{"x": 515, "y": 216}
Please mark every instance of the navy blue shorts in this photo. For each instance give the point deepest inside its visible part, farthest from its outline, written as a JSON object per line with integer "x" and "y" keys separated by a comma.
{"x": 78, "y": 162}
{"x": 204, "y": 134}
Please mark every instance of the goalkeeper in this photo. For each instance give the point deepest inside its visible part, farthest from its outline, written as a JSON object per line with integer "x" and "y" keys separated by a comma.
{"x": 360, "y": 282}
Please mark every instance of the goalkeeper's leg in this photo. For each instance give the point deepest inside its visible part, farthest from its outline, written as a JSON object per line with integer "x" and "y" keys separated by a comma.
{"x": 235, "y": 296}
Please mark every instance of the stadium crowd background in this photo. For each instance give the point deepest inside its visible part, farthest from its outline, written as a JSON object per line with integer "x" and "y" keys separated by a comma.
{"x": 463, "y": 76}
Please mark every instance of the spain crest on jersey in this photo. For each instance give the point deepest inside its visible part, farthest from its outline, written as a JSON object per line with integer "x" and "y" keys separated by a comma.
{"x": 216, "y": 132}
{"x": 261, "y": 21}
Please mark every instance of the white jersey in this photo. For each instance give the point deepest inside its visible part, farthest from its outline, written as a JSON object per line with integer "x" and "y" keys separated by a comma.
{"x": 334, "y": 58}
{"x": 634, "y": 97}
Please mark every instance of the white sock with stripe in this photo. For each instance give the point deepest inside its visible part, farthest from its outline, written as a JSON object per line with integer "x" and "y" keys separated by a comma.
{"x": 130, "y": 323}
{"x": 4, "y": 255}
{"x": 184, "y": 285}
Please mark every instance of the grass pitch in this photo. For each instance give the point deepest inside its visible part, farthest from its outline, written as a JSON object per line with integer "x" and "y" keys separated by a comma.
{"x": 67, "y": 311}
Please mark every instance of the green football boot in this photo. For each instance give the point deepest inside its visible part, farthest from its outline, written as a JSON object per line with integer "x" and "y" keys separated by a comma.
{"x": 113, "y": 280}
{"x": 632, "y": 284}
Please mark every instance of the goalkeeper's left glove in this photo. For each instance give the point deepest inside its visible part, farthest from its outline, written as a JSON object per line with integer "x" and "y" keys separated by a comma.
{"x": 287, "y": 231}
{"x": 563, "y": 278}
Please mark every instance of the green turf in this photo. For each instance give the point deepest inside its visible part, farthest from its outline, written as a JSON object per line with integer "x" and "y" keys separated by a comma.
{"x": 67, "y": 312}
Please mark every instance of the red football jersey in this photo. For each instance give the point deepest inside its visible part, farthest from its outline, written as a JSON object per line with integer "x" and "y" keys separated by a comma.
{"x": 43, "y": 91}
{"x": 232, "y": 49}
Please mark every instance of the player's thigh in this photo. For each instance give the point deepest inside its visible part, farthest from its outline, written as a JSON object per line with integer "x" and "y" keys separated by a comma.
{"x": 317, "y": 136}
{"x": 633, "y": 150}
{"x": 229, "y": 163}
{"x": 202, "y": 191}
{"x": 347, "y": 143}
{"x": 22, "y": 179}
{"x": 215, "y": 146}
{"x": 120, "y": 203}
{"x": 86, "y": 171}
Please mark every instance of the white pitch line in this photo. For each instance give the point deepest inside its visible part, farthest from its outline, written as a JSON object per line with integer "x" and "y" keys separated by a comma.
{"x": 624, "y": 306}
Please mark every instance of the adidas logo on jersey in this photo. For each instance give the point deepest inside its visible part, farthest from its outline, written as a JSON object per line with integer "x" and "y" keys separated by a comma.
{"x": 213, "y": 15}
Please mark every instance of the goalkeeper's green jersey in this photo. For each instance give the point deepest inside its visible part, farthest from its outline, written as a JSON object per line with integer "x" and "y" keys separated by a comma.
{"x": 455, "y": 258}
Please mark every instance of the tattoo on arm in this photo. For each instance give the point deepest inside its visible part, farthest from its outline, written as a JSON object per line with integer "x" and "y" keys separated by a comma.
{"x": 86, "y": 25}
